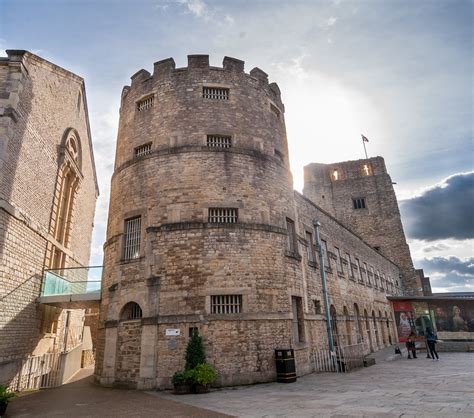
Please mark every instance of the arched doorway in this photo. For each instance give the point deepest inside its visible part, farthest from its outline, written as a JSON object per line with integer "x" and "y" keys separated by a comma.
{"x": 359, "y": 333}
{"x": 376, "y": 330}
{"x": 367, "y": 329}
{"x": 348, "y": 337}
{"x": 129, "y": 344}
{"x": 382, "y": 327}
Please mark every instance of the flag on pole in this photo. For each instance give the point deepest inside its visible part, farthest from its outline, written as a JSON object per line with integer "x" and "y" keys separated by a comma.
{"x": 364, "y": 139}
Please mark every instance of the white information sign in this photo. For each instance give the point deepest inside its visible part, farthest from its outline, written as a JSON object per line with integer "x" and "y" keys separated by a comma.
{"x": 172, "y": 332}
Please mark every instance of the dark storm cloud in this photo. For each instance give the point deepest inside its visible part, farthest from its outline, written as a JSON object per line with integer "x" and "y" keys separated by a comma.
{"x": 445, "y": 211}
{"x": 450, "y": 272}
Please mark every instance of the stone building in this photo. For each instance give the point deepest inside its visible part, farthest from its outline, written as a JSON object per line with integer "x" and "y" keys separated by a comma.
{"x": 205, "y": 233}
{"x": 48, "y": 191}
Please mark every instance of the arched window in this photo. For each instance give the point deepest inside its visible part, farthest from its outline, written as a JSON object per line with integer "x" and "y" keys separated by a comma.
{"x": 359, "y": 324}
{"x": 348, "y": 326}
{"x": 332, "y": 312}
{"x": 376, "y": 329}
{"x": 68, "y": 180}
{"x": 131, "y": 311}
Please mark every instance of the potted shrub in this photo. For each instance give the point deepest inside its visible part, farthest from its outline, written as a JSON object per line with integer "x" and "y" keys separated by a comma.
{"x": 5, "y": 396}
{"x": 182, "y": 382}
{"x": 202, "y": 376}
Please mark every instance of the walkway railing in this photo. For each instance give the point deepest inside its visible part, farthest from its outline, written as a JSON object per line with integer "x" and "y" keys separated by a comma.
{"x": 72, "y": 281}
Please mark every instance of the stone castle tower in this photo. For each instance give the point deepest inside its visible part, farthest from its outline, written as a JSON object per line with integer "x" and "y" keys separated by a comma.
{"x": 360, "y": 194}
{"x": 205, "y": 189}
{"x": 206, "y": 234}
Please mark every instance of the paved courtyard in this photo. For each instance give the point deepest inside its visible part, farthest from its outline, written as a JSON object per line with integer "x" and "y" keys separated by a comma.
{"x": 405, "y": 388}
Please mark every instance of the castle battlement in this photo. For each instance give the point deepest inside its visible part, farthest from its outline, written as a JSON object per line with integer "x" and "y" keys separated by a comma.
{"x": 166, "y": 68}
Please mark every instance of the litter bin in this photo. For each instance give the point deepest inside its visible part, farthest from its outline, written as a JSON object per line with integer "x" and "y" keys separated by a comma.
{"x": 285, "y": 365}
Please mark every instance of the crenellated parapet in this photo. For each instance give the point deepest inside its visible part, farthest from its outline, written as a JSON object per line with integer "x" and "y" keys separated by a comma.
{"x": 166, "y": 68}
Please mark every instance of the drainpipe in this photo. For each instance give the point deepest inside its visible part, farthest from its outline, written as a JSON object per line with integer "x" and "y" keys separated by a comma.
{"x": 316, "y": 225}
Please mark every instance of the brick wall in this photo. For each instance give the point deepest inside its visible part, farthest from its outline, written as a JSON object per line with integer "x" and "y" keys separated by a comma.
{"x": 39, "y": 102}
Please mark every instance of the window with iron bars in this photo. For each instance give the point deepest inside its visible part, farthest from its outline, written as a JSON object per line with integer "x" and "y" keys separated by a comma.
{"x": 215, "y": 93}
{"x": 131, "y": 311}
{"x": 219, "y": 141}
{"x": 226, "y": 304}
{"x": 146, "y": 103}
{"x": 358, "y": 203}
{"x": 132, "y": 237}
{"x": 223, "y": 215}
{"x": 143, "y": 150}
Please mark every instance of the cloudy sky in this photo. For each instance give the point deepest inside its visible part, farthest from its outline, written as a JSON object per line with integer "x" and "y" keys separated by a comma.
{"x": 398, "y": 71}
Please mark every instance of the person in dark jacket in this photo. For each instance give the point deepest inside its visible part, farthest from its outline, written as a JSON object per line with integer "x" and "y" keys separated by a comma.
{"x": 431, "y": 339}
{"x": 410, "y": 344}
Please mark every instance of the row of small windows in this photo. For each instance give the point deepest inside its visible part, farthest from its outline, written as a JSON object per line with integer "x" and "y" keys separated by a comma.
{"x": 365, "y": 170}
{"x": 355, "y": 270}
{"x": 212, "y": 141}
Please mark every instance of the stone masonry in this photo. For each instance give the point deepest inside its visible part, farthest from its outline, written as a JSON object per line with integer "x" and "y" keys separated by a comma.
{"x": 44, "y": 134}
{"x": 170, "y": 258}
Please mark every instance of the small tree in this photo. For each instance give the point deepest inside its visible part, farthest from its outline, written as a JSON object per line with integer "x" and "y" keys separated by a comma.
{"x": 195, "y": 352}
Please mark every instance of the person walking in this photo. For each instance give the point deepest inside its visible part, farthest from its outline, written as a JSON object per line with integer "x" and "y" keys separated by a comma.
{"x": 431, "y": 339}
{"x": 411, "y": 346}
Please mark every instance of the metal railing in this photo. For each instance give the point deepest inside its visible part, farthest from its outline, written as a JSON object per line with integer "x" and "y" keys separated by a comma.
{"x": 72, "y": 281}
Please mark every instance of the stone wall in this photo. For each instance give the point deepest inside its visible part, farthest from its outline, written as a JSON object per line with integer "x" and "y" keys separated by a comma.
{"x": 39, "y": 103}
{"x": 334, "y": 186}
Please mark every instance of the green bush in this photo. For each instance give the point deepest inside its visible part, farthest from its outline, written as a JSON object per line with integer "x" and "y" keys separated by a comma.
{"x": 203, "y": 374}
{"x": 182, "y": 377}
{"x": 194, "y": 352}
{"x": 5, "y": 394}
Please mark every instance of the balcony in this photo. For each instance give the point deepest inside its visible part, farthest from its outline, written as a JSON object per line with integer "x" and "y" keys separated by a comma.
{"x": 74, "y": 287}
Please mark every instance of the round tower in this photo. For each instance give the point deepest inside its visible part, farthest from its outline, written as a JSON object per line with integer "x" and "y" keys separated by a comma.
{"x": 201, "y": 201}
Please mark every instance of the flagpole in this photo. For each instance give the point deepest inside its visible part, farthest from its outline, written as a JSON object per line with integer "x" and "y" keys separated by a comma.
{"x": 365, "y": 150}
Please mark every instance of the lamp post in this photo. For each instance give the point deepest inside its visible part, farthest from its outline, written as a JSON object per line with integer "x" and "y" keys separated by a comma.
{"x": 316, "y": 225}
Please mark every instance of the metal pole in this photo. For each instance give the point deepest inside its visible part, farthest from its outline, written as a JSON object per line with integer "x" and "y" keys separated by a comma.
{"x": 363, "y": 142}
{"x": 316, "y": 225}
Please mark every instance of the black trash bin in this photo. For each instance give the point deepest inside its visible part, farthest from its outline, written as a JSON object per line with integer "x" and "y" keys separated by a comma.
{"x": 285, "y": 365}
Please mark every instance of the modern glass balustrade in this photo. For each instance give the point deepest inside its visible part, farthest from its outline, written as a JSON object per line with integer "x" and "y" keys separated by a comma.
{"x": 72, "y": 281}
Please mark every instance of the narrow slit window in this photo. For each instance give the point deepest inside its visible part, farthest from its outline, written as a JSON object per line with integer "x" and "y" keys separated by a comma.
{"x": 310, "y": 249}
{"x": 215, "y": 93}
{"x": 132, "y": 237}
{"x": 324, "y": 249}
{"x": 223, "y": 215}
{"x": 145, "y": 103}
{"x": 226, "y": 304}
{"x": 143, "y": 150}
{"x": 290, "y": 227}
{"x": 275, "y": 110}
{"x": 359, "y": 203}
{"x": 219, "y": 141}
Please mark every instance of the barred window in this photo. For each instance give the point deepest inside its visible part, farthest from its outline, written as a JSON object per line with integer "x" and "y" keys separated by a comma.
{"x": 143, "y": 150}
{"x": 219, "y": 141}
{"x": 132, "y": 236}
{"x": 223, "y": 215}
{"x": 359, "y": 203}
{"x": 131, "y": 311}
{"x": 146, "y": 103}
{"x": 215, "y": 93}
{"x": 226, "y": 304}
